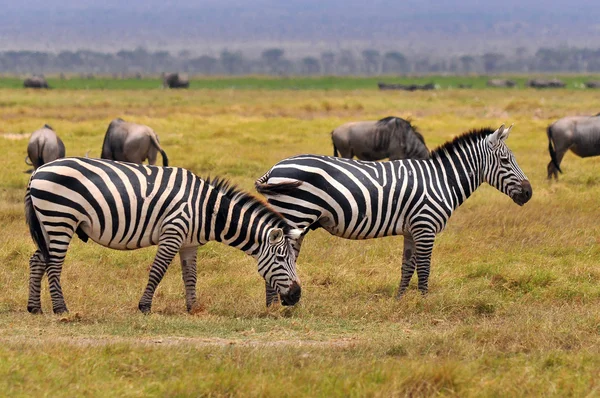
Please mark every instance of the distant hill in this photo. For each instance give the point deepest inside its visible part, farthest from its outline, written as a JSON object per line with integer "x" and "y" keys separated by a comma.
{"x": 303, "y": 27}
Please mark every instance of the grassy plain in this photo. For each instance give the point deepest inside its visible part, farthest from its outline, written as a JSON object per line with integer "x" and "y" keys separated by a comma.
{"x": 514, "y": 303}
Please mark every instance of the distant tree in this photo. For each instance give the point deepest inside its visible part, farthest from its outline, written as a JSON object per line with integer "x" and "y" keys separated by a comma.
{"x": 372, "y": 60}
{"x": 492, "y": 61}
{"x": 204, "y": 64}
{"x": 310, "y": 66}
{"x": 346, "y": 64}
{"x": 272, "y": 58}
{"x": 328, "y": 63}
{"x": 467, "y": 63}
{"x": 395, "y": 62}
{"x": 232, "y": 62}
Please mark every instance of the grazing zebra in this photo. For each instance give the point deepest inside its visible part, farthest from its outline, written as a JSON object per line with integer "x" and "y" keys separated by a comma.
{"x": 415, "y": 198}
{"x": 129, "y": 206}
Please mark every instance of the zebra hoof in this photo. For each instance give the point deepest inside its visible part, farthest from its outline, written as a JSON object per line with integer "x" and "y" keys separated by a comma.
{"x": 60, "y": 310}
{"x": 34, "y": 310}
{"x": 145, "y": 308}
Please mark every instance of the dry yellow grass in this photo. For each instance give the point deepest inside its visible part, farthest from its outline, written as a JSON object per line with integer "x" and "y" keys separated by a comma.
{"x": 513, "y": 308}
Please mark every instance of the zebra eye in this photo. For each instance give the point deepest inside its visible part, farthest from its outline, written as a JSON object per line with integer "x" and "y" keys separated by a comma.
{"x": 504, "y": 160}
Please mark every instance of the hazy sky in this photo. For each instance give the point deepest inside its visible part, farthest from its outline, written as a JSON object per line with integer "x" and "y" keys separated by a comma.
{"x": 210, "y": 25}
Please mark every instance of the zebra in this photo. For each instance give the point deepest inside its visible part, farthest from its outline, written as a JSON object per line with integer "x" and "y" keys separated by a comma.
{"x": 412, "y": 197}
{"x": 128, "y": 206}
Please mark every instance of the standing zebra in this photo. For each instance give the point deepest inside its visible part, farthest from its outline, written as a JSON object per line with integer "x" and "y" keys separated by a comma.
{"x": 415, "y": 198}
{"x": 129, "y": 206}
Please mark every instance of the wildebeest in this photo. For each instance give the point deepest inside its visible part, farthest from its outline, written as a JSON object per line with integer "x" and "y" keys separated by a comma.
{"x": 391, "y": 137}
{"x": 580, "y": 134}
{"x": 44, "y": 146}
{"x": 501, "y": 83}
{"x": 131, "y": 142}
{"x": 593, "y": 84}
{"x": 406, "y": 87}
{"x": 175, "y": 80}
{"x": 35, "y": 81}
{"x": 543, "y": 83}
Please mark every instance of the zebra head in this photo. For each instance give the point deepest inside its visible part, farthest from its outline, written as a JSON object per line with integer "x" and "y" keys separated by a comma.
{"x": 502, "y": 171}
{"x": 277, "y": 264}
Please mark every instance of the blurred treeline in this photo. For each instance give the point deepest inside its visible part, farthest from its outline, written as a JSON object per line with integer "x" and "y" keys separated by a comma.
{"x": 276, "y": 61}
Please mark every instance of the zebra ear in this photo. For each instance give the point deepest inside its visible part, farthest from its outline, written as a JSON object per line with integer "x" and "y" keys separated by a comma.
{"x": 275, "y": 235}
{"x": 495, "y": 137}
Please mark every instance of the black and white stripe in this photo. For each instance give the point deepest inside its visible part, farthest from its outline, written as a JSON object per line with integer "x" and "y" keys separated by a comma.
{"x": 415, "y": 198}
{"x": 129, "y": 206}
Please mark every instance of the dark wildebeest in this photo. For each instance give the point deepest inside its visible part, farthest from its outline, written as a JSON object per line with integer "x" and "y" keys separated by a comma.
{"x": 175, "y": 80}
{"x": 593, "y": 84}
{"x": 130, "y": 142}
{"x": 44, "y": 146}
{"x": 35, "y": 82}
{"x": 543, "y": 83}
{"x": 406, "y": 87}
{"x": 501, "y": 83}
{"x": 391, "y": 137}
{"x": 580, "y": 134}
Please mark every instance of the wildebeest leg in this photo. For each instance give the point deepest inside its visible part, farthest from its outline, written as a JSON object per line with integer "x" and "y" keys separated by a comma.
{"x": 152, "y": 155}
{"x": 188, "y": 256}
{"x": 270, "y": 293}
{"x": 37, "y": 268}
{"x": 169, "y": 244}
{"x": 552, "y": 170}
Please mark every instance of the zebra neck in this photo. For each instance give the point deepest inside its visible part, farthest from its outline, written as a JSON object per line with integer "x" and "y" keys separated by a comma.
{"x": 463, "y": 171}
{"x": 238, "y": 225}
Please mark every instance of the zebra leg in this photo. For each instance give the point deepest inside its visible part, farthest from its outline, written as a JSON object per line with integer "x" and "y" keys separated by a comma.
{"x": 270, "y": 293}
{"x": 37, "y": 268}
{"x": 169, "y": 244}
{"x": 423, "y": 250}
{"x": 408, "y": 265}
{"x": 187, "y": 257}
{"x": 59, "y": 243}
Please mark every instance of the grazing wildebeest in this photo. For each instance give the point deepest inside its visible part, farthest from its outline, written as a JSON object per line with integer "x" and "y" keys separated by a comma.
{"x": 35, "y": 82}
{"x": 501, "y": 83}
{"x": 580, "y": 134}
{"x": 175, "y": 80}
{"x": 543, "y": 83}
{"x": 406, "y": 87}
{"x": 44, "y": 146}
{"x": 131, "y": 142}
{"x": 391, "y": 137}
{"x": 593, "y": 84}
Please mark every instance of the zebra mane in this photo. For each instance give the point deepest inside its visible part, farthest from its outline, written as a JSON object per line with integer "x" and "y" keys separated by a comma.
{"x": 469, "y": 137}
{"x": 243, "y": 198}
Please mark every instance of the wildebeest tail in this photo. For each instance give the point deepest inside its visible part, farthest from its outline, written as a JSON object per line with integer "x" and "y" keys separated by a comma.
{"x": 35, "y": 227}
{"x": 335, "y": 151}
{"x": 154, "y": 139}
{"x": 551, "y": 148}
{"x": 281, "y": 188}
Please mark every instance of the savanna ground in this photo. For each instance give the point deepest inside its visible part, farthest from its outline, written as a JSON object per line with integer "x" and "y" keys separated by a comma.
{"x": 513, "y": 308}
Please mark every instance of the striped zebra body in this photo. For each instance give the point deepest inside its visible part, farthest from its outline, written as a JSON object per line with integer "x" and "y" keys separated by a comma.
{"x": 415, "y": 198}
{"x": 128, "y": 206}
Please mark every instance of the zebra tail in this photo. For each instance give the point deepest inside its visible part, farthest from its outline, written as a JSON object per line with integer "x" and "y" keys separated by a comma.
{"x": 35, "y": 227}
{"x": 551, "y": 148}
{"x": 281, "y": 188}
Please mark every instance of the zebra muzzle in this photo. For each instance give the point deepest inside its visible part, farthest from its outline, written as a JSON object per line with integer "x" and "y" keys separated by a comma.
{"x": 524, "y": 194}
{"x": 292, "y": 296}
